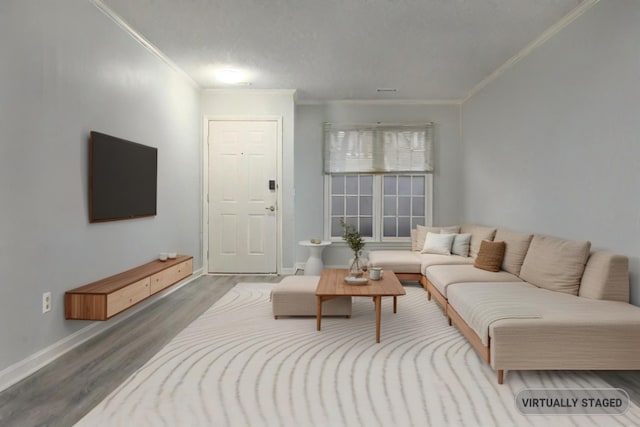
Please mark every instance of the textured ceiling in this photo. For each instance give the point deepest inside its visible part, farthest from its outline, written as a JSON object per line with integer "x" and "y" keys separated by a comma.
{"x": 344, "y": 49}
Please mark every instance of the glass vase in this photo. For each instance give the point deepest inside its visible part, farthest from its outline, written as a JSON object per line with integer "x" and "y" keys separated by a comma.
{"x": 356, "y": 269}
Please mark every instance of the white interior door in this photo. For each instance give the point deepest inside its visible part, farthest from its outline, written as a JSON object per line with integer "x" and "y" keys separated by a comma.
{"x": 242, "y": 201}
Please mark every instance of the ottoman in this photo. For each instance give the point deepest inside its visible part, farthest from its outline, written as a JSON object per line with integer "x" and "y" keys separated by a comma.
{"x": 296, "y": 296}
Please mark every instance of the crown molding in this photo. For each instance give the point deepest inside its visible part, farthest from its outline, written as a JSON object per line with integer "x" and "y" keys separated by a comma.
{"x": 541, "y": 39}
{"x": 240, "y": 90}
{"x": 379, "y": 102}
{"x": 143, "y": 41}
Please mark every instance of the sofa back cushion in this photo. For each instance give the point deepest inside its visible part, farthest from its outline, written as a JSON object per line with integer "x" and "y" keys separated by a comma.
{"x": 555, "y": 264}
{"x": 422, "y": 231}
{"x": 516, "y": 246}
{"x": 478, "y": 234}
{"x": 490, "y": 255}
{"x": 606, "y": 276}
{"x": 414, "y": 240}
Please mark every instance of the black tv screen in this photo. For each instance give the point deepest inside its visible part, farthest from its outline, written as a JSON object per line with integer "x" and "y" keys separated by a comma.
{"x": 123, "y": 178}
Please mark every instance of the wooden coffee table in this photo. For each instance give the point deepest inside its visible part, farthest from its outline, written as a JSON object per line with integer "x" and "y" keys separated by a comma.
{"x": 332, "y": 285}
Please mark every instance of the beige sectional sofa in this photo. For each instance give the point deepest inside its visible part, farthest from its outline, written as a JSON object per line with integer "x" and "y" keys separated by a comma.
{"x": 553, "y": 304}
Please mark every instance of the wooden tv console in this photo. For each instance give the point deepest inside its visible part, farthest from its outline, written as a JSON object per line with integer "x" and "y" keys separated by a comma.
{"x": 105, "y": 298}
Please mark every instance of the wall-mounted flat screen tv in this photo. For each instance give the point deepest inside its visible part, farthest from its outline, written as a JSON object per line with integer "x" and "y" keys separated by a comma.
{"x": 123, "y": 177}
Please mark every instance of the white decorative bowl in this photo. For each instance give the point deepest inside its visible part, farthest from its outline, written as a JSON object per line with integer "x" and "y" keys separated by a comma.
{"x": 356, "y": 280}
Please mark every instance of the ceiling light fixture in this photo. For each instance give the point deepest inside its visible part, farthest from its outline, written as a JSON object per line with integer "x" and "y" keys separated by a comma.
{"x": 231, "y": 76}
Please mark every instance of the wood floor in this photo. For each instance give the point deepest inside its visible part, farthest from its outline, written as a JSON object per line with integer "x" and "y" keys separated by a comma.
{"x": 64, "y": 391}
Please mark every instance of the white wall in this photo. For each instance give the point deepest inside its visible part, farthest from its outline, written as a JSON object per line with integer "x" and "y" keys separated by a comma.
{"x": 265, "y": 103}
{"x": 552, "y": 145}
{"x": 309, "y": 176}
{"x": 67, "y": 69}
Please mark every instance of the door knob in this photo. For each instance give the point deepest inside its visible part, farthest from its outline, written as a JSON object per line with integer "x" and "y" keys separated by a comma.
{"x": 271, "y": 208}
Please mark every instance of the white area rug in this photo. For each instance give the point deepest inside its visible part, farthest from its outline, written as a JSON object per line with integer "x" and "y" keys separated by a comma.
{"x": 237, "y": 366}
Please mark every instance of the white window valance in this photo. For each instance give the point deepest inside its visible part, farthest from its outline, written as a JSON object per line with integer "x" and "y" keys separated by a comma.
{"x": 378, "y": 148}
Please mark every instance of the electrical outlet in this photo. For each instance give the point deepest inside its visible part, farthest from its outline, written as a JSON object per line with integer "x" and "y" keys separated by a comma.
{"x": 46, "y": 302}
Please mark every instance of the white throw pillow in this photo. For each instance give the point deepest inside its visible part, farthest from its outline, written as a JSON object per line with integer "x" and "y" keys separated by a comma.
{"x": 461, "y": 243}
{"x": 438, "y": 243}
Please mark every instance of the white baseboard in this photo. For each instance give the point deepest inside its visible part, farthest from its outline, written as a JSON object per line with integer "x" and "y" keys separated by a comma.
{"x": 22, "y": 369}
{"x": 299, "y": 266}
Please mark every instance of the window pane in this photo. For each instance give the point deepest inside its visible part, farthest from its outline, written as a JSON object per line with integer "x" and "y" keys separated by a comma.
{"x": 415, "y": 221}
{"x": 366, "y": 226}
{"x": 389, "y": 227}
{"x": 404, "y": 227}
{"x": 418, "y": 186}
{"x": 366, "y": 205}
{"x": 389, "y": 185}
{"x": 366, "y": 185}
{"x": 404, "y": 206}
{"x": 417, "y": 208}
{"x": 337, "y": 205}
{"x": 336, "y": 228}
{"x": 337, "y": 184}
{"x": 352, "y": 221}
{"x": 352, "y": 205}
{"x": 404, "y": 185}
{"x": 352, "y": 184}
{"x": 389, "y": 205}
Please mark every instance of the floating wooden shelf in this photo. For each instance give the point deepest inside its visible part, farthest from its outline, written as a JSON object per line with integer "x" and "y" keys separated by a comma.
{"x": 105, "y": 298}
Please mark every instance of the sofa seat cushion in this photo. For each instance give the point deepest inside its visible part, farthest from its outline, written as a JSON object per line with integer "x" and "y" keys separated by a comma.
{"x": 571, "y": 333}
{"x": 480, "y": 305}
{"x": 428, "y": 260}
{"x": 544, "y": 313}
{"x": 442, "y": 276}
{"x": 396, "y": 261}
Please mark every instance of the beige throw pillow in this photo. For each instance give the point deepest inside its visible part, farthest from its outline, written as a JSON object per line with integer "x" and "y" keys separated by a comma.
{"x": 516, "y": 246}
{"x": 555, "y": 264}
{"x": 436, "y": 243}
{"x": 490, "y": 255}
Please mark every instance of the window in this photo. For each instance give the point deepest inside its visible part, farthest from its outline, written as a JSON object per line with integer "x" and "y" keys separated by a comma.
{"x": 404, "y": 204}
{"x": 382, "y": 207}
{"x": 378, "y": 179}
{"x": 352, "y": 200}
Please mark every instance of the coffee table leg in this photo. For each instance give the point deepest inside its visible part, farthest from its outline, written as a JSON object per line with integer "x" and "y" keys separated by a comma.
{"x": 378, "y": 316}
{"x": 319, "y": 311}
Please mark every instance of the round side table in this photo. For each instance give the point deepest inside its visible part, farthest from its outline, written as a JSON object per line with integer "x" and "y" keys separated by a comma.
{"x": 314, "y": 264}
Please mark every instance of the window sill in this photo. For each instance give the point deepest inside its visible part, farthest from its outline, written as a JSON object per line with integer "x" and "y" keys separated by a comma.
{"x": 387, "y": 246}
